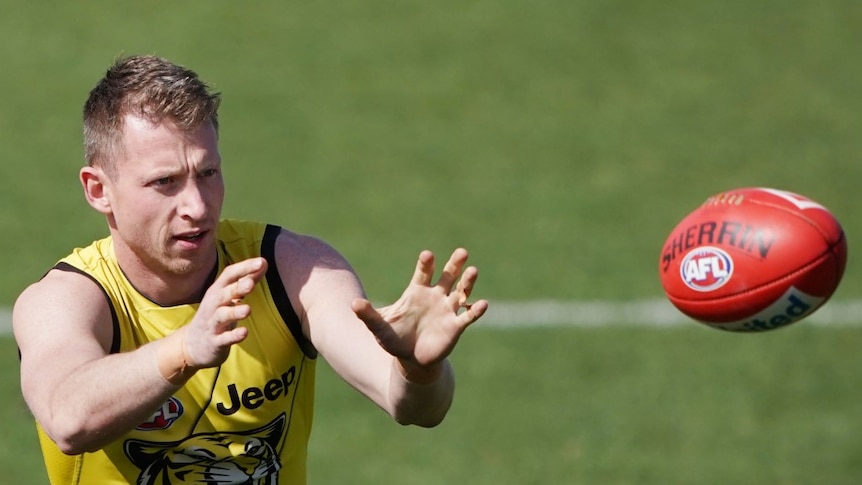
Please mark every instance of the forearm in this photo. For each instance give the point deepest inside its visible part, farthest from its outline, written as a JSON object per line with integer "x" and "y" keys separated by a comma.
{"x": 421, "y": 396}
{"x": 103, "y": 399}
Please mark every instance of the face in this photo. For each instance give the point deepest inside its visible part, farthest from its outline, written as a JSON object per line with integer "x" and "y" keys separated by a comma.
{"x": 166, "y": 199}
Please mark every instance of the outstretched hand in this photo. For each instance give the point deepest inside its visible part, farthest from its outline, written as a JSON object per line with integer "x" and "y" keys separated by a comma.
{"x": 212, "y": 332}
{"x": 422, "y": 327}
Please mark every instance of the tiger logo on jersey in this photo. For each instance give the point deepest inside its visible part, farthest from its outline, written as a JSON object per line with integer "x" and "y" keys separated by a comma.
{"x": 250, "y": 457}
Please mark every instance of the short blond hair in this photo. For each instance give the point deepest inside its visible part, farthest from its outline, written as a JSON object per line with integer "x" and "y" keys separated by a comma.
{"x": 149, "y": 87}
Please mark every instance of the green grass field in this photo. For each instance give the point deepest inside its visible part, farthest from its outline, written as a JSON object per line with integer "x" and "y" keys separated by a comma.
{"x": 598, "y": 406}
{"x": 559, "y": 141}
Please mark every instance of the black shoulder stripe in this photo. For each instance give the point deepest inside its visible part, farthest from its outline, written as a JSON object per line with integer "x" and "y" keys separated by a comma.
{"x": 279, "y": 294}
{"x": 115, "y": 341}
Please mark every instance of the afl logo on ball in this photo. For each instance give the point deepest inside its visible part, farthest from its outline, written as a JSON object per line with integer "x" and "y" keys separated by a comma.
{"x": 706, "y": 268}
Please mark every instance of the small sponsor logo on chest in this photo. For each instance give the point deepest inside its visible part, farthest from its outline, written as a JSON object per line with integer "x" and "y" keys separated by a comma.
{"x": 253, "y": 397}
{"x": 163, "y": 417}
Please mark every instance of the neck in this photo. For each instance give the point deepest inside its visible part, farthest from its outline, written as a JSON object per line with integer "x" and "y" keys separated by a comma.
{"x": 166, "y": 288}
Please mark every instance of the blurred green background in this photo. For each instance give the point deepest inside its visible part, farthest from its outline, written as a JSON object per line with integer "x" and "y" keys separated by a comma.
{"x": 559, "y": 141}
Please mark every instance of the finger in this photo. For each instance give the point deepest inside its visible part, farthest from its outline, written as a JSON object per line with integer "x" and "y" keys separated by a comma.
{"x": 465, "y": 285}
{"x": 231, "y": 337}
{"x": 472, "y": 313}
{"x": 228, "y": 316}
{"x": 233, "y": 293}
{"x": 254, "y": 268}
{"x": 238, "y": 280}
{"x": 424, "y": 269}
{"x": 452, "y": 269}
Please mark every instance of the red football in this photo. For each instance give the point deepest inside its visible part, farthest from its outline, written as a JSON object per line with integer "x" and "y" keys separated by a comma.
{"x": 753, "y": 259}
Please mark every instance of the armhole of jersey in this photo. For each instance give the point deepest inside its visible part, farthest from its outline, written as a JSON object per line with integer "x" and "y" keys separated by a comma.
{"x": 279, "y": 294}
{"x": 115, "y": 340}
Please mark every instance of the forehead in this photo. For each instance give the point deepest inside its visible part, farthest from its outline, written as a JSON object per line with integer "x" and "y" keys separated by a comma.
{"x": 149, "y": 144}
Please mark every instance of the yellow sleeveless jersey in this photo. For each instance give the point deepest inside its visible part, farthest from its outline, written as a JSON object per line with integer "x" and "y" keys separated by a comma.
{"x": 247, "y": 421}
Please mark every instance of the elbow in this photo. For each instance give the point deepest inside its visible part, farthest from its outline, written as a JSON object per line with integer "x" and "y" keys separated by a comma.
{"x": 73, "y": 438}
{"x": 67, "y": 444}
{"x": 427, "y": 414}
{"x": 424, "y": 405}
{"x": 76, "y": 445}
{"x": 425, "y": 421}
{"x": 69, "y": 447}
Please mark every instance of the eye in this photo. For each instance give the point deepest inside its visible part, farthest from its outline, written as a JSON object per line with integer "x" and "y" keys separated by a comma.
{"x": 161, "y": 182}
{"x": 208, "y": 172}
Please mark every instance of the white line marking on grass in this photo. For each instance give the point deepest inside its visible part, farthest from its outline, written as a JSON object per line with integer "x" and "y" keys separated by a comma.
{"x": 641, "y": 313}
{"x": 581, "y": 313}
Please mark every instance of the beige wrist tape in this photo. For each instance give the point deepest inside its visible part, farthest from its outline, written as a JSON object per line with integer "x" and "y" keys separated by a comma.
{"x": 174, "y": 363}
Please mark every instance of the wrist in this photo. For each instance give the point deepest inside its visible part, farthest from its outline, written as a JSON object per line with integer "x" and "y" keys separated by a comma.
{"x": 173, "y": 361}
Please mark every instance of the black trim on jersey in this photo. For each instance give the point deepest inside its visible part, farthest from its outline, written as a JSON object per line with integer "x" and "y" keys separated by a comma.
{"x": 279, "y": 294}
{"x": 207, "y": 405}
{"x": 293, "y": 399}
{"x": 115, "y": 340}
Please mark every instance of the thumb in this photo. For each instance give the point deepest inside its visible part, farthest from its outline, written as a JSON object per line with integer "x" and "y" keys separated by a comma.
{"x": 372, "y": 318}
{"x": 364, "y": 310}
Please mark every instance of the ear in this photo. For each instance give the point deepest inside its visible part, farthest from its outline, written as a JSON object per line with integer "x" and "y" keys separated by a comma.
{"x": 96, "y": 186}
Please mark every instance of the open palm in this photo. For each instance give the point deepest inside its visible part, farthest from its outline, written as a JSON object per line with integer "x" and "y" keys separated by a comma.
{"x": 424, "y": 324}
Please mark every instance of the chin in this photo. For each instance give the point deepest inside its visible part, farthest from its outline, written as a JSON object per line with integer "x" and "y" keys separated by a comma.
{"x": 184, "y": 265}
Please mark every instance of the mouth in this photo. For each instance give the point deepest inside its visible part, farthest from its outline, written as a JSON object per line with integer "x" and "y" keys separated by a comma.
{"x": 191, "y": 237}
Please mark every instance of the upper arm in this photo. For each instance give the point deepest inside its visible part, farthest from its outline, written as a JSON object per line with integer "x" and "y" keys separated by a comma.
{"x": 322, "y": 285}
{"x": 59, "y": 323}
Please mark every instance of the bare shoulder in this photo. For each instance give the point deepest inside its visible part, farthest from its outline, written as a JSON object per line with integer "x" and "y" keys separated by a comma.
{"x": 60, "y": 307}
{"x": 314, "y": 272}
{"x": 296, "y": 251}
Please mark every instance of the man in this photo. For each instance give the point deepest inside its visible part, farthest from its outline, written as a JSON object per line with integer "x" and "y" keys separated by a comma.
{"x": 181, "y": 348}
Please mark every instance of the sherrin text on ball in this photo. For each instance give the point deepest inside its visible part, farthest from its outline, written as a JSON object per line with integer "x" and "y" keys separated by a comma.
{"x": 753, "y": 259}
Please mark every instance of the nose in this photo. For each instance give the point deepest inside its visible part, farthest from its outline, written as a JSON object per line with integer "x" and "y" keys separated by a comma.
{"x": 192, "y": 203}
